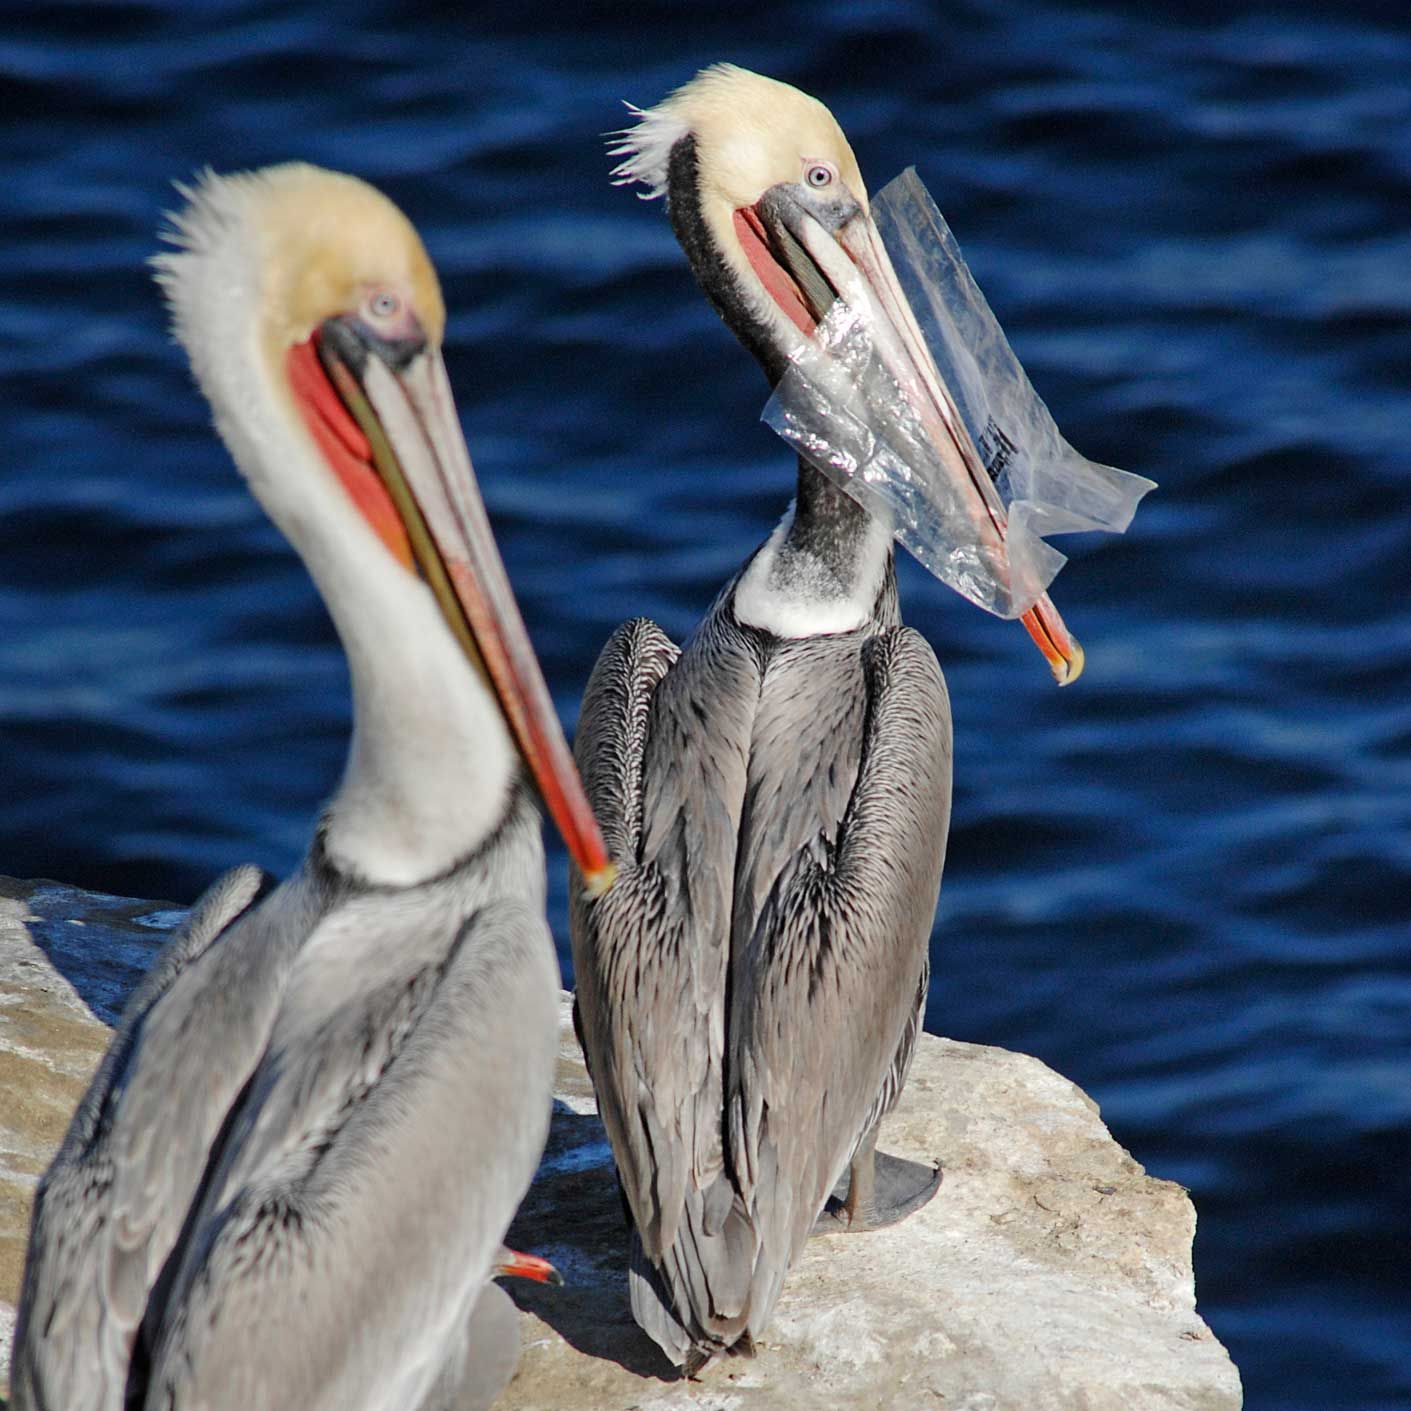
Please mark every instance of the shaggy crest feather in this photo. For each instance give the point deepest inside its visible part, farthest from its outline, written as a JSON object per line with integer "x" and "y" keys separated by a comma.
{"x": 646, "y": 146}
{"x": 752, "y": 132}
{"x": 214, "y": 207}
{"x": 212, "y": 262}
{"x": 210, "y": 274}
{"x": 207, "y": 236}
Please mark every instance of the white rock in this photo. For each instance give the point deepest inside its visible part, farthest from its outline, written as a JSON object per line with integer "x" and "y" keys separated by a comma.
{"x": 1049, "y": 1273}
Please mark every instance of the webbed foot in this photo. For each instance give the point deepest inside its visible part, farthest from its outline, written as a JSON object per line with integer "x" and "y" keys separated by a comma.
{"x": 885, "y": 1191}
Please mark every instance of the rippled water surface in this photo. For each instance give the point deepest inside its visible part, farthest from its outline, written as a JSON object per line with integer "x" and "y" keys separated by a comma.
{"x": 1185, "y": 882}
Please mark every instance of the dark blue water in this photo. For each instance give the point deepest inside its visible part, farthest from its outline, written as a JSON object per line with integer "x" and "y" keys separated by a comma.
{"x": 1185, "y": 882}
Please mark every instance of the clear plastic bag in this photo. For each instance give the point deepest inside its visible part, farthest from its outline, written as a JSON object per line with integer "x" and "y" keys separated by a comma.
{"x": 924, "y": 415}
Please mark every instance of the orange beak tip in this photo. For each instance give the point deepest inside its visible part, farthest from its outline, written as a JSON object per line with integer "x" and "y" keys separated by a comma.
{"x": 597, "y": 882}
{"x": 1067, "y": 671}
{"x": 529, "y": 1266}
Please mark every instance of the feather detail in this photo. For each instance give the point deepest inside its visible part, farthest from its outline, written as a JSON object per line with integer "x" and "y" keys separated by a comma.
{"x": 646, "y": 148}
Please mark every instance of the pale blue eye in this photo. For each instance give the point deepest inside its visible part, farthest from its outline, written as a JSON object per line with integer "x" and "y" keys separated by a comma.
{"x": 819, "y": 176}
{"x": 384, "y": 305}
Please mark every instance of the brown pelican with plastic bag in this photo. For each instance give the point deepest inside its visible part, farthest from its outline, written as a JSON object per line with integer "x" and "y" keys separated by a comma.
{"x": 776, "y": 794}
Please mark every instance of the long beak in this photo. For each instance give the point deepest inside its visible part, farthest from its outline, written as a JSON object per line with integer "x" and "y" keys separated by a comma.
{"x": 855, "y": 266}
{"x": 404, "y": 407}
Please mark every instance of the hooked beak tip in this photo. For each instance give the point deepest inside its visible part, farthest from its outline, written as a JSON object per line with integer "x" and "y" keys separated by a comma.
{"x": 1061, "y": 649}
{"x": 514, "y": 1265}
{"x": 596, "y": 882}
{"x": 1066, "y": 670}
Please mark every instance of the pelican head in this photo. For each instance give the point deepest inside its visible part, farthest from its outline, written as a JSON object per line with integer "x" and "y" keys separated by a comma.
{"x": 767, "y": 200}
{"x": 756, "y": 175}
{"x": 313, "y": 320}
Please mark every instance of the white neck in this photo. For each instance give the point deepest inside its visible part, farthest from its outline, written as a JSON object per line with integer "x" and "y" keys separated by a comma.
{"x": 792, "y": 590}
{"x": 431, "y": 764}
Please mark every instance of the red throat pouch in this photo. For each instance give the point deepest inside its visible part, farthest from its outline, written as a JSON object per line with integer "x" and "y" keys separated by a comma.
{"x": 344, "y": 447}
{"x": 772, "y": 275}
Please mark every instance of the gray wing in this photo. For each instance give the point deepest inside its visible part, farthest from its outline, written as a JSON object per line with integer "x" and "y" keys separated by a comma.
{"x": 651, "y": 956}
{"x": 369, "y": 1178}
{"x": 832, "y": 931}
{"x": 99, "y": 1232}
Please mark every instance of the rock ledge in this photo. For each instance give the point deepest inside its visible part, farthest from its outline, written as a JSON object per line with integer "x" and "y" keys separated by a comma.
{"x": 1051, "y": 1272}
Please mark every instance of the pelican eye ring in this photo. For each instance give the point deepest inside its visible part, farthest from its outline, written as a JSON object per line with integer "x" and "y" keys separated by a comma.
{"x": 384, "y": 306}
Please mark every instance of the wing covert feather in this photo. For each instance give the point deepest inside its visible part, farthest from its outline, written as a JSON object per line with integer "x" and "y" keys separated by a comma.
{"x": 612, "y": 729}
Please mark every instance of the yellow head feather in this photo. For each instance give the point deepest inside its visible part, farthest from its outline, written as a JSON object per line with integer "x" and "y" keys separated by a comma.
{"x": 317, "y": 242}
{"x": 751, "y": 133}
{"x": 326, "y": 239}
